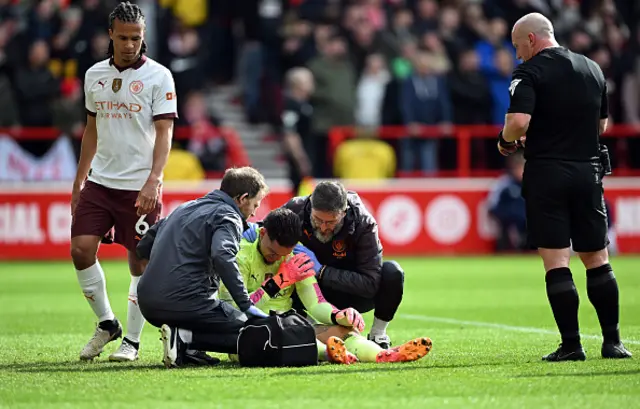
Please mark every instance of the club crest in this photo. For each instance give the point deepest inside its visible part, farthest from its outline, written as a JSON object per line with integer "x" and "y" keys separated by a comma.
{"x": 136, "y": 87}
{"x": 116, "y": 84}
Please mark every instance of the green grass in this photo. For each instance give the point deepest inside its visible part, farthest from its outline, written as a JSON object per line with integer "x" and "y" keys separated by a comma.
{"x": 45, "y": 321}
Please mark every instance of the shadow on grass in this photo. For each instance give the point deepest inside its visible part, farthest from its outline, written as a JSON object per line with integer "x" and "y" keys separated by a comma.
{"x": 581, "y": 374}
{"x": 228, "y": 369}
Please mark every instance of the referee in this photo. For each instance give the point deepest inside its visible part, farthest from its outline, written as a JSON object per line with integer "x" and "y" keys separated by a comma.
{"x": 559, "y": 101}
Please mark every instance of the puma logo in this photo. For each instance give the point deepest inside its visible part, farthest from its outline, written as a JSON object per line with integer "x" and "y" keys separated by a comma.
{"x": 90, "y": 297}
{"x": 102, "y": 83}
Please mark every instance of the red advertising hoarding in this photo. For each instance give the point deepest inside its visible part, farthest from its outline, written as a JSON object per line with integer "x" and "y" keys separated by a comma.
{"x": 415, "y": 217}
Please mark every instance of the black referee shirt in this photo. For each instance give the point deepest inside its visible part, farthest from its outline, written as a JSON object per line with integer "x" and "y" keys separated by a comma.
{"x": 566, "y": 95}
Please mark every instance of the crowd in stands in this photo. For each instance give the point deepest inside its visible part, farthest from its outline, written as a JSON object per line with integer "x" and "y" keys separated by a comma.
{"x": 427, "y": 62}
{"x": 374, "y": 62}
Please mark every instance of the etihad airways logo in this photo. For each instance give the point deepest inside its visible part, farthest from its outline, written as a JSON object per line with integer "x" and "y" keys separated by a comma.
{"x": 117, "y": 109}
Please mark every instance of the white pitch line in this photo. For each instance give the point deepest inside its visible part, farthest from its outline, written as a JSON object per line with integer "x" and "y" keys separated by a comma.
{"x": 503, "y": 327}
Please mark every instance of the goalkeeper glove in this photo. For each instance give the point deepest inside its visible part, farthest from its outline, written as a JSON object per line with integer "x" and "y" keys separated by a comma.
{"x": 349, "y": 317}
{"x": 296, "y": 268}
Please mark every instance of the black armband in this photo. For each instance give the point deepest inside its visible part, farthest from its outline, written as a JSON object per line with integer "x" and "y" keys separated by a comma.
{"x": 333, "y": 318}
{"x": 271, "y": 287}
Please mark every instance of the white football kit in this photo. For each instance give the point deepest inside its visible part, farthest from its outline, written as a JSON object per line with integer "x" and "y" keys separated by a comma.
{"x": 126, "y": 103}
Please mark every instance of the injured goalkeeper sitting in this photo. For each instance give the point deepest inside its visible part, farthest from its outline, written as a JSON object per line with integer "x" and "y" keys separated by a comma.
{"x": 272, "y": 273}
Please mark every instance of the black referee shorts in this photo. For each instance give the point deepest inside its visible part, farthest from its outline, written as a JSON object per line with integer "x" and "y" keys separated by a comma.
{"x": 565, "y": 205}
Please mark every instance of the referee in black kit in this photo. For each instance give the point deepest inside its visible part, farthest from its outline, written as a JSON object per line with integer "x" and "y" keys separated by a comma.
{"x": 559, "y": 101}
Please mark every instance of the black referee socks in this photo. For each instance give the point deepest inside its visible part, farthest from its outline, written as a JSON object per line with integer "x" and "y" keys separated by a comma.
{"x": 564, "y": 301}
{"x": 602, "y": 289}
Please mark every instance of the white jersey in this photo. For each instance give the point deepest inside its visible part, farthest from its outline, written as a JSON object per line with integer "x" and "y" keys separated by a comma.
{"x": 125, "y": 104}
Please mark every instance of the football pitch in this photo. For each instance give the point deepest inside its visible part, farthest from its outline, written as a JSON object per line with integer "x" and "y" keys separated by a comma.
{"x": 488, "y": 318}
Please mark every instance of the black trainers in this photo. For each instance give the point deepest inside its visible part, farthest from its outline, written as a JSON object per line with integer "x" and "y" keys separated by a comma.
{"x": 566, "y": 354}
{"x": 199, "y": 358}
{"x": 615, "y": 351}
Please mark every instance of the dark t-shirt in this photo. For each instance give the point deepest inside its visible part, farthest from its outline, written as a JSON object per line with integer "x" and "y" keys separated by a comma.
{"x": 566, "y": 95}
{"x": 296, "y": 117}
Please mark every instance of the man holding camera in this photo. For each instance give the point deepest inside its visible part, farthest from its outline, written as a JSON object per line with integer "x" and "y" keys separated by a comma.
{"x": 559, "y": 100}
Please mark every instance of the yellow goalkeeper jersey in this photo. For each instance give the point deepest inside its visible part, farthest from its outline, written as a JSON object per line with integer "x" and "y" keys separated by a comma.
{"x": 255, "y": 271}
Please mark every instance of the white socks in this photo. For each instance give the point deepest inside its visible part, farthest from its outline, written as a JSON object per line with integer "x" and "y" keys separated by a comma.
{"x": 135, "y": 320}
{"x": 379, "y": 327}
{"x": 94, "y": 288}
{"x": 185, "y": 335}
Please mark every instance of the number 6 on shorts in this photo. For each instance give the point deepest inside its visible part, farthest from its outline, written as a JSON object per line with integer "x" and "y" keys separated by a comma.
{"x": 141, "y": 225}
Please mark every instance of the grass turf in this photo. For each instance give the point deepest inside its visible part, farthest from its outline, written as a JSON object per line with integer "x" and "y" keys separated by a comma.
{"x": 488, "y": 318}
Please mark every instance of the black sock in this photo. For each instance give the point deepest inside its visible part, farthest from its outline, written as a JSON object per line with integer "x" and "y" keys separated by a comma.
{"x": 602, "y": 289}
{"x": 109, "y": 325}
{"x": 130, "y": 342}
{"x": 564, "y": 301}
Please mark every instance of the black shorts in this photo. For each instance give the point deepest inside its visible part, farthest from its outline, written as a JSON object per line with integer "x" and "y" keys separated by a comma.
{"x": 565, "y": 205}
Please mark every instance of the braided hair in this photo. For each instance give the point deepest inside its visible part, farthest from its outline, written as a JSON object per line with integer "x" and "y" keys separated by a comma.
{"x": 126, "y": 13}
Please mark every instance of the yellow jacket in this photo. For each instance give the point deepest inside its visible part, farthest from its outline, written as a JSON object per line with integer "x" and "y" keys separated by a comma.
{"x": 192, "y": 13}
{"x": 183, "y": 165}
{"x": 364, "y": 159}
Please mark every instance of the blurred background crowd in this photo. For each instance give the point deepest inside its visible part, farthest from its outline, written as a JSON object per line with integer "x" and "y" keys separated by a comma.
{"x": 256, "y": 73}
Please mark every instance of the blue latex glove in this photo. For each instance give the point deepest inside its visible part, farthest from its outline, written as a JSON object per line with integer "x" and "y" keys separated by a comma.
{"x": 255, "y": 312}
{"x": 251, "y": 234}
{"x": 299, "y": 248}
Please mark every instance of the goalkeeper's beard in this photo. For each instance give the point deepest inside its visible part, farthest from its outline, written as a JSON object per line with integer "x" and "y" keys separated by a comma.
{"x": 327, "y": 238}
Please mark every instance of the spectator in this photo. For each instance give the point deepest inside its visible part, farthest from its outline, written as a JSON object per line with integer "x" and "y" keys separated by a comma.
{"x": 426, "y": 17}
{"x": 298, "y": 46}
{"x": 97, "y": 52}
{"x": 470, "y": 93}
{"x": 449, "y": 32}
{"x": 499, "y": 80}
{"x": 186, "y": 64}
{"x": 334, "y": 98}
{"x": 8, "y": 106}
{"x": 69, "y": 112}
{"x": 506, "y": 206}
{"x": 370, "y": 93}
{"x": 364, "y": 42}
{"x": 425, "y": 101}
{"x": 36, "y": 88}
{"x": 494, "y": 39}
{"x": 205, "y": 141}
{"x": 398, "y": 34}
{"x": 296, "y": 121}
{"x": 64, "y": 44}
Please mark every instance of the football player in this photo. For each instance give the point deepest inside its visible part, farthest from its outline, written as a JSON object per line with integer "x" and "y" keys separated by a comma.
{"x": 116, "y": 196}
{"x": 272, "y": 273}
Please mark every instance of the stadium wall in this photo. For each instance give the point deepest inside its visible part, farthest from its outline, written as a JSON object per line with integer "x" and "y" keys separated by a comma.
{"x": 416, "y": 216}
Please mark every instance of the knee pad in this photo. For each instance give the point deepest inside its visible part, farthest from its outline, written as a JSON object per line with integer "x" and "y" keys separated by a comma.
{"x": 392, "y": 273}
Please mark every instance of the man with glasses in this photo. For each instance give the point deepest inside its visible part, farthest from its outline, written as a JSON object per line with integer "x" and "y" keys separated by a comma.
{"x": 341, "y": 238}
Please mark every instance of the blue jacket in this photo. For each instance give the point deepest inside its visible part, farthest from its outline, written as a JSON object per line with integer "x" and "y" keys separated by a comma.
{"x": 426, "y": 100}
{"x": 506, "y": 204}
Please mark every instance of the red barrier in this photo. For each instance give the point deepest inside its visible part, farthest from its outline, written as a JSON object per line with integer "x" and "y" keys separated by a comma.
{"x": 464, "y": 134}
{"x": 415, "y": 217}
{"x": 237, "y": 153}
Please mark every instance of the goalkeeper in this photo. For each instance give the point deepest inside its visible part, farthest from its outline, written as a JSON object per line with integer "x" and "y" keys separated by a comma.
{"x": 271, "y": 274}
